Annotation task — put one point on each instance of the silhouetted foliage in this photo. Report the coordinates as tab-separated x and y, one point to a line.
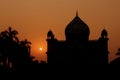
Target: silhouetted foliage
117	60
14	54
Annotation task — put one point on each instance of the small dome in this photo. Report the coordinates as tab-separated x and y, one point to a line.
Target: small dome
50	35
104	33
77	29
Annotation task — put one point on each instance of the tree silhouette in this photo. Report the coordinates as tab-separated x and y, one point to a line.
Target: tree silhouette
15	55
25	48
11	34
8	42
117	60
12	51
26	43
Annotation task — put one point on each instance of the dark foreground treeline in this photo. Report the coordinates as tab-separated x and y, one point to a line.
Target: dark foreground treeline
15	54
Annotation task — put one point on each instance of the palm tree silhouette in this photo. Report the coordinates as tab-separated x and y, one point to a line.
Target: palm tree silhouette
25	50
12	34
9	42
26	43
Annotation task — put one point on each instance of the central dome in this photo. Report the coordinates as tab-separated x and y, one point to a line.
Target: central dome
77	30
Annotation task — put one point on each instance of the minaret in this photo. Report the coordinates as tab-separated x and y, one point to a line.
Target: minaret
103	45
50	47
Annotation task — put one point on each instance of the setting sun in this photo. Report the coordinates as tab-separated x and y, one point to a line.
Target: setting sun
33	18
40	48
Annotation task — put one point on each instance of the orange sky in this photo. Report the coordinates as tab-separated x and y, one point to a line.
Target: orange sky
33	18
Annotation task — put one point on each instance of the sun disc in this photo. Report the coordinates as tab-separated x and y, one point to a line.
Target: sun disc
40	48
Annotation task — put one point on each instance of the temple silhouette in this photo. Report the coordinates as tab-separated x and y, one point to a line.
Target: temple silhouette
77	48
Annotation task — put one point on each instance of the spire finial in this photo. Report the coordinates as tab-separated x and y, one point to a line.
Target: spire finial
77	13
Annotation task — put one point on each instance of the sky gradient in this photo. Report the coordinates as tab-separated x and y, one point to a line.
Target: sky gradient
33	19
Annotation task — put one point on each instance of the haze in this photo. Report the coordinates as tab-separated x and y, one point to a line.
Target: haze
33	18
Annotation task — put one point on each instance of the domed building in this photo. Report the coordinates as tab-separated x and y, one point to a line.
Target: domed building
77	31
77	48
